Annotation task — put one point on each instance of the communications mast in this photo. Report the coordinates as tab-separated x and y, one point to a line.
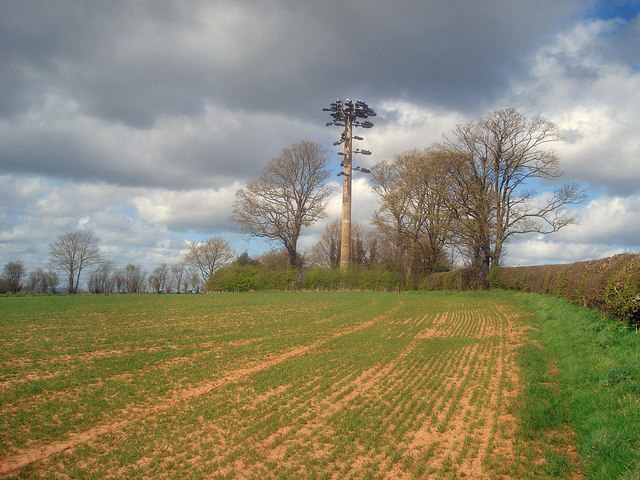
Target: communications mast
348	114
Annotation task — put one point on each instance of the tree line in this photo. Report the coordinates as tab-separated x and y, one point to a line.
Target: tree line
456	202
78	252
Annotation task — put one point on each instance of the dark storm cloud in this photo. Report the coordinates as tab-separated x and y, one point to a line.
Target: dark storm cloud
205	151
140	119
132	62
88	88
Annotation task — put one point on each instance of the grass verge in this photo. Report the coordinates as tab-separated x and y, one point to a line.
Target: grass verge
582	376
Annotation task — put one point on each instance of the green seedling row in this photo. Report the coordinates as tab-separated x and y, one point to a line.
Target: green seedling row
318	385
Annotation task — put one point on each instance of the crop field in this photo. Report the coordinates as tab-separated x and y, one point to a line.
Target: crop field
322	385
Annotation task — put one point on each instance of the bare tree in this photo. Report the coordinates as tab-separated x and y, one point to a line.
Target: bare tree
119	279
412	209
176	278
40	281
210	255
72	253
37	281
326	252
158	278
53	280
291	193
274	259
13	273
102	279
134	278
492	163
193	280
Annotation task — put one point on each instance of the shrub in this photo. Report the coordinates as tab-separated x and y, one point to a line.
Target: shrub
622	293
234	278
316	279
353	279
462	279
611	284
374	279
245	278
277	279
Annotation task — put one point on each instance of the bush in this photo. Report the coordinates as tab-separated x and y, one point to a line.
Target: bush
353	279
234	278
277	279
321	279
622	294
462	279
611	284
246	278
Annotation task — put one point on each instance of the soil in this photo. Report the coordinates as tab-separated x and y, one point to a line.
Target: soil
467	431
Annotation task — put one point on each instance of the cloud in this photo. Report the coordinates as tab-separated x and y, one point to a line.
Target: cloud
607	220
595	100
407	126
608	225
35	211
214	149
204	210
139	120
132	63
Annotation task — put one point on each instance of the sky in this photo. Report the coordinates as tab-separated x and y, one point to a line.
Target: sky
139	120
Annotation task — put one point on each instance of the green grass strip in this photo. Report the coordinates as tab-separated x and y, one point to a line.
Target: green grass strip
581	370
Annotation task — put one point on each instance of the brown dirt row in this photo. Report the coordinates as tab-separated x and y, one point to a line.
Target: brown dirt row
471	424
15	461
88	356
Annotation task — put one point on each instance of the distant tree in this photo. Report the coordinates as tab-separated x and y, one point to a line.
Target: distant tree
326	251
274	259
176	281
13	273
41	281
244	259
53	280
119	279
193	280
71	253
291	193
102	279
158	278
134	278
37	281
412	210
209	255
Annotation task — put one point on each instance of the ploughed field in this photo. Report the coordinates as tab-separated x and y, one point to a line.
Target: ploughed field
320	385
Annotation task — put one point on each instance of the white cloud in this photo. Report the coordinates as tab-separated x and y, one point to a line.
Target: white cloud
204	210
607	220
133	224
409	126
582	84
595	100
607	226
541	251
140	120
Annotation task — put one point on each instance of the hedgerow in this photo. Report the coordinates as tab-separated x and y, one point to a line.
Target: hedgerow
246	278
611	284
460	280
